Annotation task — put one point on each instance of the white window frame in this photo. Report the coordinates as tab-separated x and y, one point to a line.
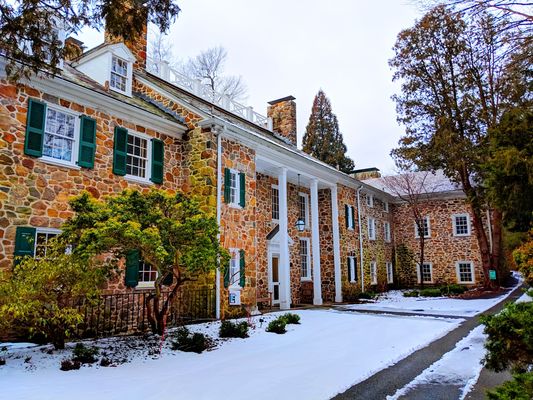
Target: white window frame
370	200
145	284
419	276
274	187
371	222
457	265
387	231
47	231
128	75
386	206
427	220
305	196
148	169
373	273
237	179
351	220
454	224
353	272
235	276
308	276
73	163
390	272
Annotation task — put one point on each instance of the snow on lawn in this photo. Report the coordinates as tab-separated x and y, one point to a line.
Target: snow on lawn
460	367
329	352
394	301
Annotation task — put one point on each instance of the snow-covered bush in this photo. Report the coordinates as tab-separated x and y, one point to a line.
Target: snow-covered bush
69	365
196	343
411	293
430	292
229	329
84	354
277	326
291	318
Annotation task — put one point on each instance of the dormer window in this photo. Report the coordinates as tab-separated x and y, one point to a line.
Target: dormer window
119	75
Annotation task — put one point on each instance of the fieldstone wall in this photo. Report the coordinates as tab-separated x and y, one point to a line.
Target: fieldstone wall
327	267
283	114
442	249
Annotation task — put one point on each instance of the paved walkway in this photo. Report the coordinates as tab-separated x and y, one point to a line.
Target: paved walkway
386	382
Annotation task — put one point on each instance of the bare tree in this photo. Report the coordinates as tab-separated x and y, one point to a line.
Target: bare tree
208	66
160	49
413	188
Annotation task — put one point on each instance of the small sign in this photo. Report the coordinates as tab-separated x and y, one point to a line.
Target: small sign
492	274
235	298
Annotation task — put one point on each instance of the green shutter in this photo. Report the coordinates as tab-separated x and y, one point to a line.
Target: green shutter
35	121
355	269
169	278
24	242
243	269
227	189
349	269
120	151
226	274
158	155
87	142
132	268
242	187
346	211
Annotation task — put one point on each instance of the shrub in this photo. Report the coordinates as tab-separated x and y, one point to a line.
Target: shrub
366	295
105	362
520	388
2	361
430	292
69	365
452	289
291	318
229	329
411	293
277	326
196	343
85	355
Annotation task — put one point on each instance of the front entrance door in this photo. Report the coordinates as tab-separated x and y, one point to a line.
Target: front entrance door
274	278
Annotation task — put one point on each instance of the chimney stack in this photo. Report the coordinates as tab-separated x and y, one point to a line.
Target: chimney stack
283	114
73	48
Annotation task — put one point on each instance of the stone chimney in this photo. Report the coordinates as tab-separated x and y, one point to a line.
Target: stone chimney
137	47
366	173
283	114
73	48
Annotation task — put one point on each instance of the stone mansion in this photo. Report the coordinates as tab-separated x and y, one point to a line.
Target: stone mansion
298	230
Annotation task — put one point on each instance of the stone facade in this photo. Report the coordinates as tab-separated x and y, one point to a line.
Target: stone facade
283	114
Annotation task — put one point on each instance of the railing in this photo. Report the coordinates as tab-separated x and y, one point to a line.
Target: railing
196	87
127	312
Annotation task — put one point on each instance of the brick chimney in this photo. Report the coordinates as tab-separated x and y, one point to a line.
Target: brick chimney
137	47
73	48
283	114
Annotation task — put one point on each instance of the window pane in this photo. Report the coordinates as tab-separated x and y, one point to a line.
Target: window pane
59	135
275	203
137	158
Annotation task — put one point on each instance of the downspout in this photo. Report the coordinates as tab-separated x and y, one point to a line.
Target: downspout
219	205
360	240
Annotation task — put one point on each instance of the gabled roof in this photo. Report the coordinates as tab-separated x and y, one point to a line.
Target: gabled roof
119	49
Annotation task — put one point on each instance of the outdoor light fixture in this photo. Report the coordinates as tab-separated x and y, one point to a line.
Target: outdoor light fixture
300	224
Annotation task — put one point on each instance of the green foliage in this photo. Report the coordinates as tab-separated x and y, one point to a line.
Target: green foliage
452	289
85	355
367	295
196	343
411	293
41	296
523	257
229	329
69	365
510	168
520	388
323	139
32	23
405	264
510	338
291	318
430	292
277	326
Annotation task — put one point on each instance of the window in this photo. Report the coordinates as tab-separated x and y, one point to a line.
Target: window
390	272
42	238
147	274
386	231
119	74
235	268
427	273
386	206
303	209
352	269
369	200
235	188
425	228
461	225
304	259
371	229
275	203
349	213
373	273
465	271
137	164
60	136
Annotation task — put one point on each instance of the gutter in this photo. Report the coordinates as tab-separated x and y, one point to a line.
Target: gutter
361	265
219	212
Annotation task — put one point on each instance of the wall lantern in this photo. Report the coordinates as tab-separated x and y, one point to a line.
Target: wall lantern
300	224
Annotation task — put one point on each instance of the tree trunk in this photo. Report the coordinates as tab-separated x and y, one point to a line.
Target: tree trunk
157	315
481	236
496	221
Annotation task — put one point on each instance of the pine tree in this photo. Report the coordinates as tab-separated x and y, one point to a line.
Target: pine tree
323	139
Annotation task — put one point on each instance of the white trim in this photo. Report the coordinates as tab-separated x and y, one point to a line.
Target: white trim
148	169
237	174
351	219
146	284
235	279
276	220
353	268
386	206
52	231
418	276
309	276
454	225
371	221
471	272
417	236
306	211
387	236
390	272
373	273
370	200
128	77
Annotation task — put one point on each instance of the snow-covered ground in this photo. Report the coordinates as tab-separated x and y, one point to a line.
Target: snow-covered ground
460	367
329	352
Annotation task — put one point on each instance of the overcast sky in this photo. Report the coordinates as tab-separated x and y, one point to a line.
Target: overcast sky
296	47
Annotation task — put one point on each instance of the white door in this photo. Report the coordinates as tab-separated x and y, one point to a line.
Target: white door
273	278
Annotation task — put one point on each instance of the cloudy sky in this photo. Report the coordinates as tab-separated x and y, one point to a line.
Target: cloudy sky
296	47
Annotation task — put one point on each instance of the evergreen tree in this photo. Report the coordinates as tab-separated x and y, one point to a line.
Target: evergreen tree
323	139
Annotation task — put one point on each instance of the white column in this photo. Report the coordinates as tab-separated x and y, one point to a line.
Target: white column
317	280
336	244
284	258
